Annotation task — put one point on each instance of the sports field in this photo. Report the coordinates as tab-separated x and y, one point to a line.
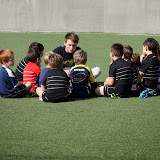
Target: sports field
81	129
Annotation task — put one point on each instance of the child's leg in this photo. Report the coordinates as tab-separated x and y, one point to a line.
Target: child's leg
39	92
158	88
96	71
28	85
99	91
67	70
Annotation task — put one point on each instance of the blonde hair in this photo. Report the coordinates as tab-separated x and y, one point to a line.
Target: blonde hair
5	55
54	60
80	57
46	57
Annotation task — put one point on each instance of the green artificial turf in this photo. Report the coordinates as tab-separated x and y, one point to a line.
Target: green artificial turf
81	129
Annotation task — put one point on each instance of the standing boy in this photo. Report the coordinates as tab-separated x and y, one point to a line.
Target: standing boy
82	82
119	81
55	83
149	69
67	51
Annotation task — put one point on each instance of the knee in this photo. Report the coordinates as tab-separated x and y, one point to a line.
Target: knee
96	71
99	91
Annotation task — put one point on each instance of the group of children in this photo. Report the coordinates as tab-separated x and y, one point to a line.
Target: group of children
66	74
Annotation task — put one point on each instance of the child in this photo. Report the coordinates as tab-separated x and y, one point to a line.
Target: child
24	61
82	82
119	81
43	72
9	86
55	83
67	51
127	55
149	69
158	85
32	69
136	60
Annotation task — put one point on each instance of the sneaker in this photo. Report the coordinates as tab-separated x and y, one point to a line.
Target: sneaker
113	95
153	93
144	94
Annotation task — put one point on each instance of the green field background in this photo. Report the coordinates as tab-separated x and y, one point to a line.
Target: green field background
94	128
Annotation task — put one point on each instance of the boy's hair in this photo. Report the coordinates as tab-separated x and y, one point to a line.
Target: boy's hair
136	59
47	57
128	51
72	36
5	55
80	57
36	45
33	54
117	49
152	44
55	60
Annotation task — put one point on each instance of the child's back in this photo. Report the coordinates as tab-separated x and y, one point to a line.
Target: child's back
82	82
56	81
149	68
120	77
81	79
32	69
121	71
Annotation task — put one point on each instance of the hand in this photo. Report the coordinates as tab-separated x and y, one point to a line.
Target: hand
142	57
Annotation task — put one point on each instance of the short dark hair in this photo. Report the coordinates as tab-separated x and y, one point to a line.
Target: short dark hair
152	44
117	49
33	54
36	45
72	36
128	51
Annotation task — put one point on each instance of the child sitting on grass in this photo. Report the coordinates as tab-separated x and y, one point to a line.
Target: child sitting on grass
158	85
82	81
9	86
22	64
44	71
32	69
149	69
136	60
119	82
55	83
127	55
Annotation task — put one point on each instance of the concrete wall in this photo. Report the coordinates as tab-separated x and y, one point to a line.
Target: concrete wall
122	16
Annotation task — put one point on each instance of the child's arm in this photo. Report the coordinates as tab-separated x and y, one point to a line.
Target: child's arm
19	84
43	89
111	61
140	75
142	57
109	81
